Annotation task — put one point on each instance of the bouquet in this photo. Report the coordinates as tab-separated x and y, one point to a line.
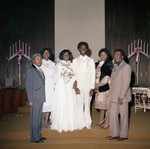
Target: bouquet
67	74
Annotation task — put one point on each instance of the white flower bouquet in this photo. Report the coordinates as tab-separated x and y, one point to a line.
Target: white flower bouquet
67	74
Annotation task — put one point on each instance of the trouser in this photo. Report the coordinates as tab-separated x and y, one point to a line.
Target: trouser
83	109
116	128
35	122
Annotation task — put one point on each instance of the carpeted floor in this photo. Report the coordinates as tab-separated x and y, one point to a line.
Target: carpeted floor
15	134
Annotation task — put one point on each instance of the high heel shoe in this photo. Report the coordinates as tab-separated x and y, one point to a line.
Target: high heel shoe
105	127
99	124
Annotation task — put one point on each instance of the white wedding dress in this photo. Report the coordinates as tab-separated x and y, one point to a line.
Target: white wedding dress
64	116
48	68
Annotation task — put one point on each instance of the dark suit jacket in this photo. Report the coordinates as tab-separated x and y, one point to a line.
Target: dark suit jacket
35	85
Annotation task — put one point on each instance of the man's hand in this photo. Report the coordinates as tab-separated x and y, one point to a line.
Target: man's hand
91	92
75	84
31	104
77	91
120	101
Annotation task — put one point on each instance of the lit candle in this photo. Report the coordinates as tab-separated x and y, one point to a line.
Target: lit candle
131	48
29	52
144	47
128	50
16	47
134	44
13	49
147	48
23	47
19	45
10	51
138	43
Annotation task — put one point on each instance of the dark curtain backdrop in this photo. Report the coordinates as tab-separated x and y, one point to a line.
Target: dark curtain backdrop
126	21
31	21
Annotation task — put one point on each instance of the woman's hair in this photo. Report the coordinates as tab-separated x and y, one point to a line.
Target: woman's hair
82	43
63	52
50	53
109	57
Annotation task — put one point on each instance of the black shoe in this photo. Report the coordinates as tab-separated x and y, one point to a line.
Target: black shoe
40	141
43	138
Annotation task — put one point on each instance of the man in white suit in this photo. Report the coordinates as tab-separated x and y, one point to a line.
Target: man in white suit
84	69
120	96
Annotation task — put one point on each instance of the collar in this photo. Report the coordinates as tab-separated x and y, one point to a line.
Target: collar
45	60
36	66
83	57
64	62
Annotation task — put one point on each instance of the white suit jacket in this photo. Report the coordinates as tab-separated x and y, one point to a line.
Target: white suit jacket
85	76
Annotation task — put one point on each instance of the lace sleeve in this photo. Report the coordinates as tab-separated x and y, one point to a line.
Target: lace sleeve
105	80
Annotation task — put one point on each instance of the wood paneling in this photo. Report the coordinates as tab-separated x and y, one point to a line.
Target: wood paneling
126	21
31	21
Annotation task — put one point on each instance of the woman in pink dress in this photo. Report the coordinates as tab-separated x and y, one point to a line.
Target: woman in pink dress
103	73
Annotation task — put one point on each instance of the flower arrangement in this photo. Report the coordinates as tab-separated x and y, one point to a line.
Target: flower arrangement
67	74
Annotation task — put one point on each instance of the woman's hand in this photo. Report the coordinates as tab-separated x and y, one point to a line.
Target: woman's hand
96	86
100	84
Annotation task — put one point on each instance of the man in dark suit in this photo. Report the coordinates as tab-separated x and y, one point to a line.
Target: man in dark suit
35	86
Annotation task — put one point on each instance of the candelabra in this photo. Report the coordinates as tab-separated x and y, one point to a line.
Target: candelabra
136	49
19	51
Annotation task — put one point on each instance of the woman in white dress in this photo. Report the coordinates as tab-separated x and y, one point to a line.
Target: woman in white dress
64	115
48	68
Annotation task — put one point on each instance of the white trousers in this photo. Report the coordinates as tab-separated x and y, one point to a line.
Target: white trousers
83	109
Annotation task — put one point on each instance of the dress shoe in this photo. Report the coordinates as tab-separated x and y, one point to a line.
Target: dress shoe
40	141
44	128
43	138
111	138
120	139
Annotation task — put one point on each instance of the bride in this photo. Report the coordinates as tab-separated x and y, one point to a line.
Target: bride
64	114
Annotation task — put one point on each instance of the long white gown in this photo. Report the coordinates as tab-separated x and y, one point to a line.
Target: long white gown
48	68
64	115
